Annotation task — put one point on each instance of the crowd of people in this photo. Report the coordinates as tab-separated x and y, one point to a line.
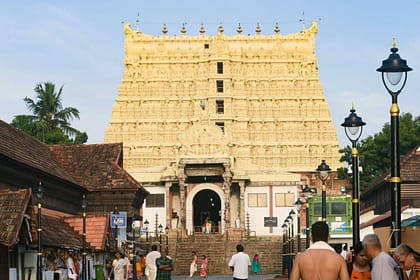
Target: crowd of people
365	261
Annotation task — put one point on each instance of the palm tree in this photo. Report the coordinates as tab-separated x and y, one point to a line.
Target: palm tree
49	116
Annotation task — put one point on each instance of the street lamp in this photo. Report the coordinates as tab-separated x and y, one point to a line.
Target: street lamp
395	69
166	232
298	203
146	226
353	127
116	221
39	194
285	237
290	217
160	227
84	205
324	170
136	218
307	193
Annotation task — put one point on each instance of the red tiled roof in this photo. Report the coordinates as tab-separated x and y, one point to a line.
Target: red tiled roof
96	229
57	233
95	166
23	148
13	205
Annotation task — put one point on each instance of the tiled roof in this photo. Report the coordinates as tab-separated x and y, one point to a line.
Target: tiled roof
409	171
96	229
13	205
23	148
95	166
57	233
410	166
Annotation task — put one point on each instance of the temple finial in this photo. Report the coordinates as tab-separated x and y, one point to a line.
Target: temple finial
394	43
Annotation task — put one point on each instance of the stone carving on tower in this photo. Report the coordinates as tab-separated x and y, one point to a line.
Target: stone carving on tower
264	103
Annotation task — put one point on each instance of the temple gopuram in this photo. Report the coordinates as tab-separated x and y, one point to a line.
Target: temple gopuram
222	130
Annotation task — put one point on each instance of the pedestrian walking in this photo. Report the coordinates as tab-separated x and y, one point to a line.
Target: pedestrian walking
193	265
151	269
204	266
119	267
359	269
319	261
409	261
383	266
164	266
256	264
239	263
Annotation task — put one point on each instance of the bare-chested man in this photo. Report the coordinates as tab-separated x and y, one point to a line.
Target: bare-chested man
320	261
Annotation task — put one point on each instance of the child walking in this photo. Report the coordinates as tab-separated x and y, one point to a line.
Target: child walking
204	266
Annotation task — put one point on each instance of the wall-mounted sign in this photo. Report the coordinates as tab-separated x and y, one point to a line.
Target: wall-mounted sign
270	221
118	220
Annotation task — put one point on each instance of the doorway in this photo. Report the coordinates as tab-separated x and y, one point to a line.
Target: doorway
207	212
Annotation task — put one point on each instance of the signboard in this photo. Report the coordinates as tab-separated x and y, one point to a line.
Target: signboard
118	220
270	221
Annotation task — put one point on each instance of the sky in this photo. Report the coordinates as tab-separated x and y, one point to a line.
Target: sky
80	44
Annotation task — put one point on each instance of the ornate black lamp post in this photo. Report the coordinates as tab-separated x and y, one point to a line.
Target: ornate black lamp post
285	237
353	126
84	206
146	226
307	192
299	202
290	217
395	69
324	170
39	194
167	240
116	221
160	227
136	218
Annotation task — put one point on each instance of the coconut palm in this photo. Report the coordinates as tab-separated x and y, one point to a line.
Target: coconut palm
48	115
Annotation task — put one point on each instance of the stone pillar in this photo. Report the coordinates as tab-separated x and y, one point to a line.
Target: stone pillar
227	176
168	198
182	198
242	202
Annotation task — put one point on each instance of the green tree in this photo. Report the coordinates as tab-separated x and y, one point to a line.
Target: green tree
375	151
50	121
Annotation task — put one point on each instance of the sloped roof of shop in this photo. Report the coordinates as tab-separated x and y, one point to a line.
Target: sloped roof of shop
21	147
96	166
96	229
13	205
57	233
409	173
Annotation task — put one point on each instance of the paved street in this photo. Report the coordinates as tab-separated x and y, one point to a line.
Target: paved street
222	277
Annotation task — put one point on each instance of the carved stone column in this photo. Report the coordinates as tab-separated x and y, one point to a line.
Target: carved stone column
227	176
182	197
168	203
242	202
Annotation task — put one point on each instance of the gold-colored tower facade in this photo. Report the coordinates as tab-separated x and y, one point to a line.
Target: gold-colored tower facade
255	99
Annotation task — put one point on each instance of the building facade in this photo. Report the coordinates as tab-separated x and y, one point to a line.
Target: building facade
221	128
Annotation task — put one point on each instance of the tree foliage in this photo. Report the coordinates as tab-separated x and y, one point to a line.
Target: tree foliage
375	151
50	121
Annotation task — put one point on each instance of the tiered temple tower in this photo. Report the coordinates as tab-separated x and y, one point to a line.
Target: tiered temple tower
245	110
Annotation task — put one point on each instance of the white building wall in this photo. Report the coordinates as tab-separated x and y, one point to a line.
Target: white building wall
149	213
257	214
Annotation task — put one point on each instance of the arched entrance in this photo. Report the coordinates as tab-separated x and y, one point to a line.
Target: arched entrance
205	200
206	208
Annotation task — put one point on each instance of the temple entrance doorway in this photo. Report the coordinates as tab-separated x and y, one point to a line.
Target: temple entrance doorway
205	209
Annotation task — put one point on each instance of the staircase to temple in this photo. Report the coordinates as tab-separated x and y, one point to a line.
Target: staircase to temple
219	251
